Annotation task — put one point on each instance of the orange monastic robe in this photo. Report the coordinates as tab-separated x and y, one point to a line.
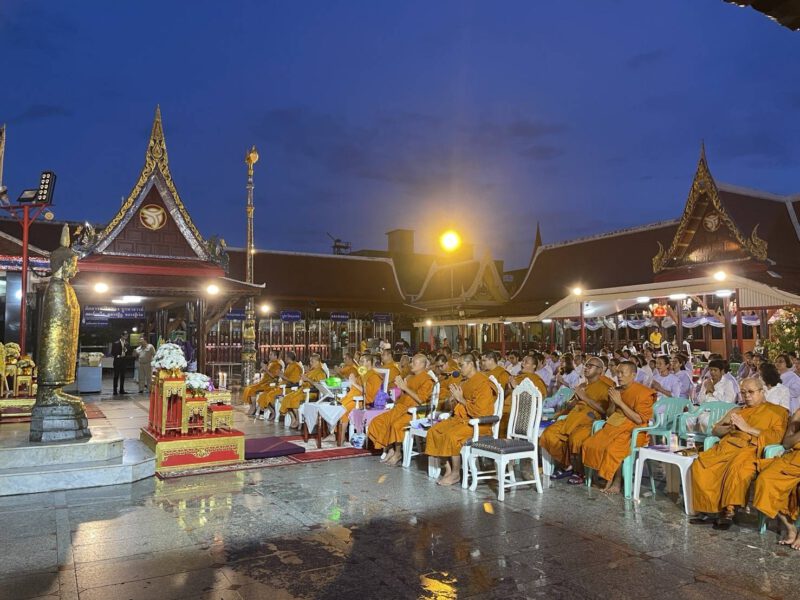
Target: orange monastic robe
372	383
452	365
348	370
446	437
605	450
269	377
566	437
388	428
293	399
292	373
777	485
504	377
722	475
394	372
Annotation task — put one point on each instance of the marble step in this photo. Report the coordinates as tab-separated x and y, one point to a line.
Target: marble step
135	462
105	444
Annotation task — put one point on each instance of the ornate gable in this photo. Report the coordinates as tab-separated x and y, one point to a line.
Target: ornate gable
152	221
706	232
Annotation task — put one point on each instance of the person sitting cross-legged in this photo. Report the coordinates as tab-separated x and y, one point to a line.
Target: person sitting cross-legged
721	476
387	429
564	439
630	406
473	398
291	401
777	493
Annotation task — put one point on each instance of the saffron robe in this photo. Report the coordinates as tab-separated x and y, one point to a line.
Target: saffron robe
292	374
372	383
269	377
293	399
777	485
388	427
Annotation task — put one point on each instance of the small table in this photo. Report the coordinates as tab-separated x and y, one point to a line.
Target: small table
360	419
322	415
664	455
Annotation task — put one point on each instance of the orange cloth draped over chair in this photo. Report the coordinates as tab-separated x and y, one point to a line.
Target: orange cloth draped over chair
388	428
292	373
605	450
721	476
446	437
372	383
271	376
293	399
777	486
566	437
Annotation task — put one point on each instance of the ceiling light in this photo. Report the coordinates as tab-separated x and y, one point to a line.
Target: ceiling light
547	320
643	299
212	289
428	322
101	287
577	291
265	308
723	293
677	296
720	275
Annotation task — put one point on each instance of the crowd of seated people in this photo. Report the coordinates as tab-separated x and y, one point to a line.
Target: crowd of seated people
619	387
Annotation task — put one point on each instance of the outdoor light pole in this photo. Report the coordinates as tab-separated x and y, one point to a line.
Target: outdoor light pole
249	329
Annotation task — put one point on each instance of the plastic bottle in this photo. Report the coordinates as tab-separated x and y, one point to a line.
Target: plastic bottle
673	441
690	440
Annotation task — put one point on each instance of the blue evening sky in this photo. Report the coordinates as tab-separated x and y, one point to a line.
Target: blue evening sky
374	115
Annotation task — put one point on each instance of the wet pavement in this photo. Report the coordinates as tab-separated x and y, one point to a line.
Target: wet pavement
354	528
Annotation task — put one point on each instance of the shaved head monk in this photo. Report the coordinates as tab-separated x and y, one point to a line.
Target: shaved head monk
366	383
721	476
473	398
387	429
630	406
291	401
290	377
490	366
387	362
564	439
270	372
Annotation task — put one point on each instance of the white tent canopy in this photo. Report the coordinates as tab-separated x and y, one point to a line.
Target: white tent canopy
608	301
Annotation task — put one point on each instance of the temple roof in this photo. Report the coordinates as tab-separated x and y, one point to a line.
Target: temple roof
472	282
785	12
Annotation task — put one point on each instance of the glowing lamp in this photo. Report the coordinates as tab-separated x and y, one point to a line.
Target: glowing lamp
212	289
450	241
101	287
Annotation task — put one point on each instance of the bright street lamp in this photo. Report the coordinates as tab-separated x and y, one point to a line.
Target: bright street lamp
720	275
212	290
450	241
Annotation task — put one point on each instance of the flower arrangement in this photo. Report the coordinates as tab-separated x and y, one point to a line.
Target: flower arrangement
198	383
169	357
25	363
12	351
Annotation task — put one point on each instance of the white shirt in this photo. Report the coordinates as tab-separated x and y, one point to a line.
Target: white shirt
514	369
668	382
723	392
792	381
643	377
779	395
546	374
571	380
684	384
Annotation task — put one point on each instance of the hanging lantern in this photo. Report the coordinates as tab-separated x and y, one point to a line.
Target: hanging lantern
659	311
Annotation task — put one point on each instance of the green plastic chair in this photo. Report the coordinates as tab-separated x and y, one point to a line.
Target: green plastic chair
716	411
735	368
627	464
666	412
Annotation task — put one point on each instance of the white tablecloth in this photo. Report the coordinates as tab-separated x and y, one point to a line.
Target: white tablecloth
331	413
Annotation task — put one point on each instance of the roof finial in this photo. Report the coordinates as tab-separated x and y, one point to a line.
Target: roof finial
538	241
702	149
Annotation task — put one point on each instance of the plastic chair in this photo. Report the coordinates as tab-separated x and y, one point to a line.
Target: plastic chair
559	399
498	413
547	460
734	367
412	432
521	442
715	410
666	412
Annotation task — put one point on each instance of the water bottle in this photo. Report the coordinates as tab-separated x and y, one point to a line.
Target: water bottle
673	441
690	440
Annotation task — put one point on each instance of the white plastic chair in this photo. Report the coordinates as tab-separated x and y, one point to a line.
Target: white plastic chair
521	442
411	432
476	423
385	374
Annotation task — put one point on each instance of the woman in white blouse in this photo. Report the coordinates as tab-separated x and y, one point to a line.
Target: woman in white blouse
777	393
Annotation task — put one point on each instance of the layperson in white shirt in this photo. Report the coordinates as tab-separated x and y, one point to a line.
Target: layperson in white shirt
567	375
747	369
542	370
578	361
790	379
644	374
717	388
677	363
776	392
664	381
513	364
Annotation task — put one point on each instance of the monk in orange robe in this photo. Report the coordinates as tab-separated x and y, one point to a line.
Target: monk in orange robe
387	362
490	367
630	406
388	429
366	384
290	376
291	401
721	476
777	486
405	366
564	439
270	372
445	377
474	398
349	367
452	363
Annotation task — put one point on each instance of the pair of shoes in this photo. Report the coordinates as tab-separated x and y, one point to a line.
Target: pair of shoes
115	393
576	479
723	523
123	392
561	474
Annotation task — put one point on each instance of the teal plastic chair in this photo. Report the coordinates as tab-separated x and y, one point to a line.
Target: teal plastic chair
715	410
735	368
666	412
627	464
556	401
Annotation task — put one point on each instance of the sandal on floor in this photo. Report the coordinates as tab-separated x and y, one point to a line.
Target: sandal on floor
723	523
561	474
576	480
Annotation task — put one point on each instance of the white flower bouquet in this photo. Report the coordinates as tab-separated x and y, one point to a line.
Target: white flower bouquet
169	357
12	351
197	383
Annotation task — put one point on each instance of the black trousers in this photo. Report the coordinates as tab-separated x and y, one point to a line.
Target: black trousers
119	375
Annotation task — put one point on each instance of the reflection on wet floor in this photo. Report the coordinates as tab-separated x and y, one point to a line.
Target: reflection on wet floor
356	528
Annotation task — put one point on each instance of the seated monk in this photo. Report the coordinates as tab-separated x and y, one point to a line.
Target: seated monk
291	401
722	475
387	362
270	371
564	439
387	429
527	371
366	383
630	406
491	366
405	366
290	376
777	486
452	363
473	398
349	367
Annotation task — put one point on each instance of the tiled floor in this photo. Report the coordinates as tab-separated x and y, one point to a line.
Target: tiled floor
354	528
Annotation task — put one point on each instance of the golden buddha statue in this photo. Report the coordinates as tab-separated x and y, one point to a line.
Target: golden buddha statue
58	416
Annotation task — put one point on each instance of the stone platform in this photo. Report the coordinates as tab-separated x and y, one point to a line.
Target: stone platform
104	459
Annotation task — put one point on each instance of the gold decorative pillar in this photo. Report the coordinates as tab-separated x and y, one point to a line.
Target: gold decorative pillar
249	329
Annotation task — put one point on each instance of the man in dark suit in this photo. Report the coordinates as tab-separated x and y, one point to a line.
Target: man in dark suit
118	350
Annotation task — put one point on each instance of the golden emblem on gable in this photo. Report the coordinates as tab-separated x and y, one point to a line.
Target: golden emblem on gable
711	222
153	216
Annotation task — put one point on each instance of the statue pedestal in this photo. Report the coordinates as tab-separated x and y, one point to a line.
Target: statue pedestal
59	423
